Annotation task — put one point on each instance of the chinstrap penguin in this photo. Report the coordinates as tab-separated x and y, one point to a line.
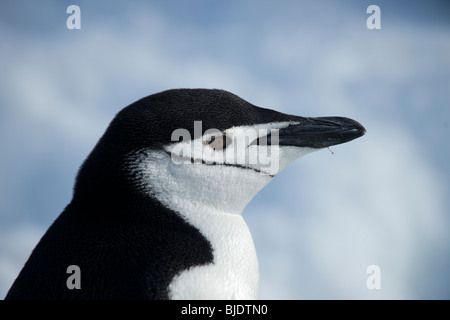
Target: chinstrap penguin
156	207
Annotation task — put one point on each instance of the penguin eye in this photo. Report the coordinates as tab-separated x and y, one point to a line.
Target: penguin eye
219	142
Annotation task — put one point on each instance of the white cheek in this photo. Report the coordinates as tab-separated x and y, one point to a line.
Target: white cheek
187	187
289	154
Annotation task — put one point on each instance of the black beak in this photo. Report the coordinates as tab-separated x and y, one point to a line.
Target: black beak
319	133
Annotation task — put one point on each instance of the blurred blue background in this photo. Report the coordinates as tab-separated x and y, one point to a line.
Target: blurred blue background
380	200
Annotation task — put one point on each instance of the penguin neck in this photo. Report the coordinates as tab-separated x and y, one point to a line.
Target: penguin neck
233	272
211	198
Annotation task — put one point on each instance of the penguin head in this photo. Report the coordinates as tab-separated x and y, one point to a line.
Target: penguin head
202	149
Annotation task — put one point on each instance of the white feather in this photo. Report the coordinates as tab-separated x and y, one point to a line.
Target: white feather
211	197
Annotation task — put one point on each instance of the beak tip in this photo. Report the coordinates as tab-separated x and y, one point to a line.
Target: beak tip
359	128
